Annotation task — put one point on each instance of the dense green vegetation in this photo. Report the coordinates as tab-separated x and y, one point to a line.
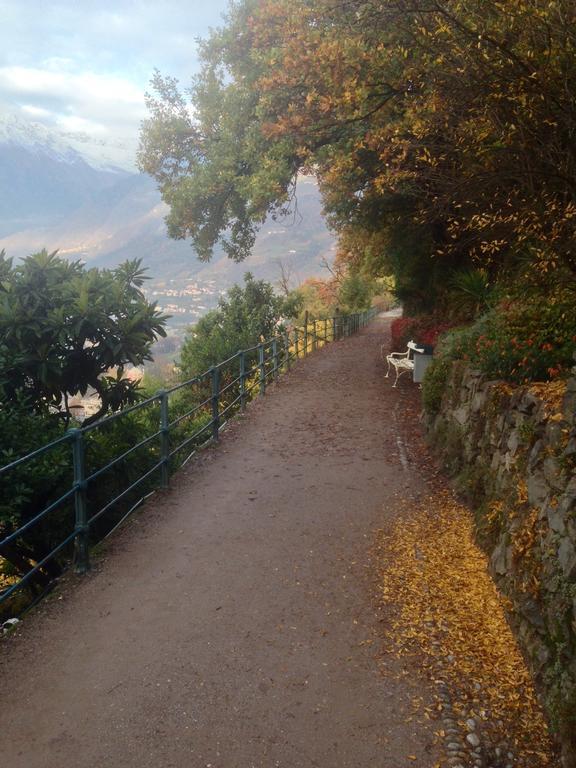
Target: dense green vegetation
245	316
64	331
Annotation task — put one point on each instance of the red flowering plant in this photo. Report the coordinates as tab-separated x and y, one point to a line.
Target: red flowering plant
521	340
400	331
423	329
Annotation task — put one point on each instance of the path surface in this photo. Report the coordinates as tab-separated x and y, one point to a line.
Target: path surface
231	623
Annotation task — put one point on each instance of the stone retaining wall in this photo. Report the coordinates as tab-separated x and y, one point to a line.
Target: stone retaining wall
512	453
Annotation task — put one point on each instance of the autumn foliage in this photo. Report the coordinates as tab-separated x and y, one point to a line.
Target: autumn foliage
441	135
447	613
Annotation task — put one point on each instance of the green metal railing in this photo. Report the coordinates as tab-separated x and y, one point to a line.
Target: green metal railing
181	419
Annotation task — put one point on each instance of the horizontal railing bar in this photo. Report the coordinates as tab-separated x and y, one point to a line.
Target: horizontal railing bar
131	487
24	580
230	405
229	360
176	387
251	349
189	413
231	384
119	414
35	454
16	534
132	509
196	449
110	464
192	437
252	386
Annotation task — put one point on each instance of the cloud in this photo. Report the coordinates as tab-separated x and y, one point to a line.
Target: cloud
37	112
102	106
93	92
122	35
96	58
58	64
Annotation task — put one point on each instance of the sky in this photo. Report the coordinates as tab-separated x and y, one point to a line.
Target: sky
83	66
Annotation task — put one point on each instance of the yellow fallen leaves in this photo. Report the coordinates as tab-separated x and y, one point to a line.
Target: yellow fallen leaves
448	614
552	394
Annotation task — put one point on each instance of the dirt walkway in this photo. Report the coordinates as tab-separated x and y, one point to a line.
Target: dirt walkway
230	624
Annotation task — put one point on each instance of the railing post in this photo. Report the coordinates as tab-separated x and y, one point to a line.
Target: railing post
287	350
262	368
215	379
334	337
296	343
275	358
81	553
164	440
314	337
305	333
242	380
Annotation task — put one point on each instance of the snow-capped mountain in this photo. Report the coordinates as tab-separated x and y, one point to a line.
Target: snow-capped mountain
35	138
52	197
43	177
63	146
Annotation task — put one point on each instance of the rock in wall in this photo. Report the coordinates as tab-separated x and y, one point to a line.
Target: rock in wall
512	452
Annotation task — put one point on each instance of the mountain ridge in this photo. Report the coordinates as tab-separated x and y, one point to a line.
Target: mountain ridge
51	197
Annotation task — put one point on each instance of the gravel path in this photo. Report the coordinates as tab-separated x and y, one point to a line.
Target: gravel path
230	624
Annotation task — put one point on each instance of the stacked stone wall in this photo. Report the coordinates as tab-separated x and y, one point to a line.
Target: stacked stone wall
512	452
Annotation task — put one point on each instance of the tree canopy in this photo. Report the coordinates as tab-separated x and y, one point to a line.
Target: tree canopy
441	134
64	327
245	316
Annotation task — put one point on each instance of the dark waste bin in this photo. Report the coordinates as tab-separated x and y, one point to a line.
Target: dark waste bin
422	355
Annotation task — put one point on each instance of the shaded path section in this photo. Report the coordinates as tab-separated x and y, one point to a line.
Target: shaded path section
230	624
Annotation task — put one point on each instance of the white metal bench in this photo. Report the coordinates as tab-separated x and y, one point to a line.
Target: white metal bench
401	361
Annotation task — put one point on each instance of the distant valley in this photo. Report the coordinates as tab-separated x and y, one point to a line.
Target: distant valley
53	197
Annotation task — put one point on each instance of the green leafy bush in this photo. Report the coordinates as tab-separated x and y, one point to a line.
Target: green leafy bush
244	317
65	328
434	384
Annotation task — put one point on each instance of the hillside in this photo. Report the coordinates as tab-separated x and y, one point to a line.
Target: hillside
53	197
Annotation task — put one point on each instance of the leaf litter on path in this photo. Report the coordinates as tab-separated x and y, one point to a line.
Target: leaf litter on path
447	614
